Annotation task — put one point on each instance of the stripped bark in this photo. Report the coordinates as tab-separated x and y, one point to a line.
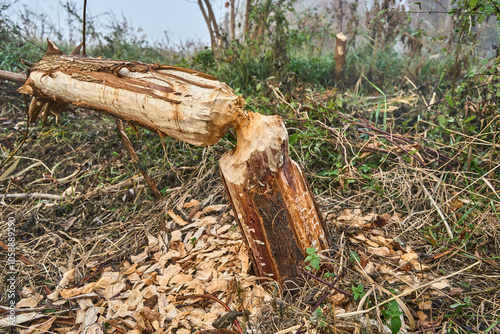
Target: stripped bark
268	191
184	104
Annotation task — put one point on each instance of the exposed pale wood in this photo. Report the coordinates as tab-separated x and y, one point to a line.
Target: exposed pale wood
12	76
271	198
184	104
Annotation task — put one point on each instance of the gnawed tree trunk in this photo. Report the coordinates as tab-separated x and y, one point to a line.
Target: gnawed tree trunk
271	198
268	191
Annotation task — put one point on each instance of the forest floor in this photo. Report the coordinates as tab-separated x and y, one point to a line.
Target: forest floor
96	253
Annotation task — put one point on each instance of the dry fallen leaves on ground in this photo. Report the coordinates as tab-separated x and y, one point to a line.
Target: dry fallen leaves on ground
175	283
151	291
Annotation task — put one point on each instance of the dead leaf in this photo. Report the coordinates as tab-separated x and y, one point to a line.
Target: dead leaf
139	258
176	218
29	302
68	293
192	203
426	322
380	251
364	259
424	305
68	223
409	256
40	328
381	221
441	284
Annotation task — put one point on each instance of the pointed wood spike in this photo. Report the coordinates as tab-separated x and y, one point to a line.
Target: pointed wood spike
76	51
52	49
36	106
26	63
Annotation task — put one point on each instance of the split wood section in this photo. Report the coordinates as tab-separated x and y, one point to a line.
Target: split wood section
269	194
271	198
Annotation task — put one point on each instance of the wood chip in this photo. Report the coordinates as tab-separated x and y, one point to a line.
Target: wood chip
176	218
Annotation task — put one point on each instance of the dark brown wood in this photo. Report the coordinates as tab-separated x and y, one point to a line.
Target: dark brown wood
272	199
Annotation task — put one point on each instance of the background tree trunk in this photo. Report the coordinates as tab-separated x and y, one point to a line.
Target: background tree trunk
233	20
207	21
248	9
340	54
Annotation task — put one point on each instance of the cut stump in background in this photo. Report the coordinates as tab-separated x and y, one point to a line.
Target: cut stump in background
340	54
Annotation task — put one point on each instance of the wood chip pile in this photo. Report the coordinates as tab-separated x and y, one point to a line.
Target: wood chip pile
191	278
206	258
386	262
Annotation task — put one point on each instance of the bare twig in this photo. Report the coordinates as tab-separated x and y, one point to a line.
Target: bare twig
135	159
12	76
33	195
434	204
116	187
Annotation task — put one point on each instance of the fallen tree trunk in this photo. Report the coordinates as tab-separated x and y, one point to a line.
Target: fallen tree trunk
180	103
268	191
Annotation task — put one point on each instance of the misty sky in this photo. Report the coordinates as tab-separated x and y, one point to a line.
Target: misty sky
182	19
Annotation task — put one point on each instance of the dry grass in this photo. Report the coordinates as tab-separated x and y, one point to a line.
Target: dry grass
387	232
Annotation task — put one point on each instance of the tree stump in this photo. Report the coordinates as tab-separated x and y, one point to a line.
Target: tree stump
271	198
340	54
